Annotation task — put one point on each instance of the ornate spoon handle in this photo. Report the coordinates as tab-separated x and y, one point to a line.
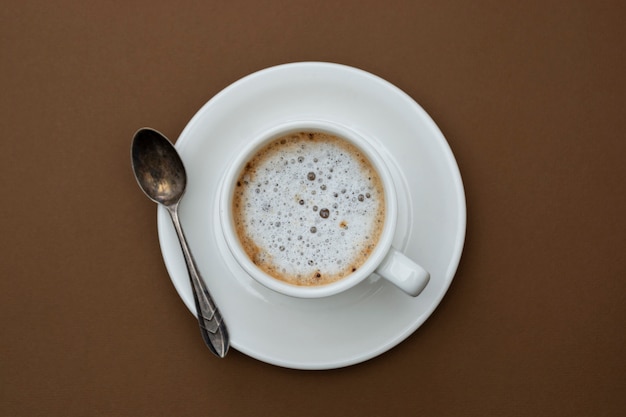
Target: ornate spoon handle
212	327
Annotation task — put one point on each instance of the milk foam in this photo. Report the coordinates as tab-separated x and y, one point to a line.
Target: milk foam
309	208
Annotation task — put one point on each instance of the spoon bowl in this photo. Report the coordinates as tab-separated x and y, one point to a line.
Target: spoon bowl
158	168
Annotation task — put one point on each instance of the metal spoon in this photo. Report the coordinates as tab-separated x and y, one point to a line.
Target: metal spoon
161	175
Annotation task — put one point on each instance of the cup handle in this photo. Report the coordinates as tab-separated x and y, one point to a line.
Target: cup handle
403	273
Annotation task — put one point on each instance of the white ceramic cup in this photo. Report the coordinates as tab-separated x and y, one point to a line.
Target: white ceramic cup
385	260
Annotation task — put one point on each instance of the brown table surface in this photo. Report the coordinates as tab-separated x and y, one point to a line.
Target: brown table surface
531	98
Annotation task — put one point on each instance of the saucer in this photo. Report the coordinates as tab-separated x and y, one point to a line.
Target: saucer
370	318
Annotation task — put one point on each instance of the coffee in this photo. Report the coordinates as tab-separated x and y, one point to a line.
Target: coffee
308	208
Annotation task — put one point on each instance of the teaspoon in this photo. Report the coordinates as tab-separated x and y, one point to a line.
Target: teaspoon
161	175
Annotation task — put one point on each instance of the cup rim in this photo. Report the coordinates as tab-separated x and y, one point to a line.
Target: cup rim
226	192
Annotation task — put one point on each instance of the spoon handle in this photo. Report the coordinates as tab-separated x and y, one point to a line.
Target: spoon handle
212	327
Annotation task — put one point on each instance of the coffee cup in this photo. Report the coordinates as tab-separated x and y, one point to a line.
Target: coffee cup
309	209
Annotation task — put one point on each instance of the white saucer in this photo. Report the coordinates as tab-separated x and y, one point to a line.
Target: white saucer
374	316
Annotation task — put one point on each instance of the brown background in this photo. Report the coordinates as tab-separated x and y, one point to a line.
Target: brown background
531	97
